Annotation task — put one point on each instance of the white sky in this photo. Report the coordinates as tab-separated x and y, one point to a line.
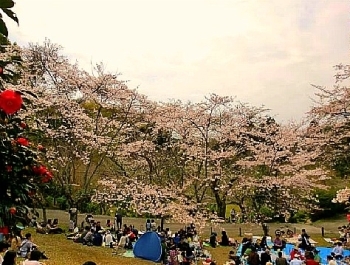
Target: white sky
263	52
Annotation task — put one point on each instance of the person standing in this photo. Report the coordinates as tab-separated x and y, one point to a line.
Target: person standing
118	220
233	216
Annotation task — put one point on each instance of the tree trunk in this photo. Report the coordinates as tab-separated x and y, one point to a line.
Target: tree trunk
44	214
221	204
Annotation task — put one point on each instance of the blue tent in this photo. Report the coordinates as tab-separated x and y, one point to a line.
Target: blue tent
148	247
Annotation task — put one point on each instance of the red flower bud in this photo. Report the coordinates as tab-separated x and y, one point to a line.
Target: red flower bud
41	148
1	70
10	101
13	210
22	141
8	168
23	125
40	170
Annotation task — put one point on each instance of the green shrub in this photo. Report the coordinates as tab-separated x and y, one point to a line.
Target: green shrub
62	203
299	217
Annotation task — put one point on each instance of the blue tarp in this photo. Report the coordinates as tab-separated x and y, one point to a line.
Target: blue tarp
148	247
324	251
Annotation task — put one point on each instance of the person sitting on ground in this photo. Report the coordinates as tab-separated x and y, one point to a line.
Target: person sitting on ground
277	243
309	259
280	260
317	256
10	258
183	245
88	239
108	239
253	257
295	251
53	228
296	260
34	258
98	238
224	239
74	234
265	257
123	242
79	238
98	226
212	240
330	260
27	245
16	241
338	251
246	244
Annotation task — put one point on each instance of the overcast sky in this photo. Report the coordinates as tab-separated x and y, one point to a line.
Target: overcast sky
263	52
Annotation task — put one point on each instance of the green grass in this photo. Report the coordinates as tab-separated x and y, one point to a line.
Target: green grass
63	251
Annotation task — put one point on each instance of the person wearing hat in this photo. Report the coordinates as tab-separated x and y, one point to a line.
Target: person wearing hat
296	260
294	251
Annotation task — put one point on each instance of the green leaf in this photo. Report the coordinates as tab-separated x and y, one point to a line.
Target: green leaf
6	4
3	28
10	14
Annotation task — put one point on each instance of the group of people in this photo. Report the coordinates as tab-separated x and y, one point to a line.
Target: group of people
23	247
260	252
50	227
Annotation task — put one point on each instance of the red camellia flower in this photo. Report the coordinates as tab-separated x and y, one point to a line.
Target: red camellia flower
22	141
47	177
40	170
13	210
8	168
23	125
10	101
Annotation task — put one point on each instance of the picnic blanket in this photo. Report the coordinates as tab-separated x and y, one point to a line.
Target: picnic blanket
128	254
324	252
295	240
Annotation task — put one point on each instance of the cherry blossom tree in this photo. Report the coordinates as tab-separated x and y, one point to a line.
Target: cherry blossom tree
144	198
329	126
83	117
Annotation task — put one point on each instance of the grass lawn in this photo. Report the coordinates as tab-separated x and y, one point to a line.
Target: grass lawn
63	251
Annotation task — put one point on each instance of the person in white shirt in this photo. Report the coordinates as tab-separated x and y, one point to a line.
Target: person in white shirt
35	256
108	239
123	241
296	260
27	245
338	251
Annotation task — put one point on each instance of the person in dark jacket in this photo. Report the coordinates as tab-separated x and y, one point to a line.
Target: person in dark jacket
265	257
253	258
224	239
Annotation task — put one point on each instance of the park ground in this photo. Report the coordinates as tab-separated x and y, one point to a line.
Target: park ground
63	251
